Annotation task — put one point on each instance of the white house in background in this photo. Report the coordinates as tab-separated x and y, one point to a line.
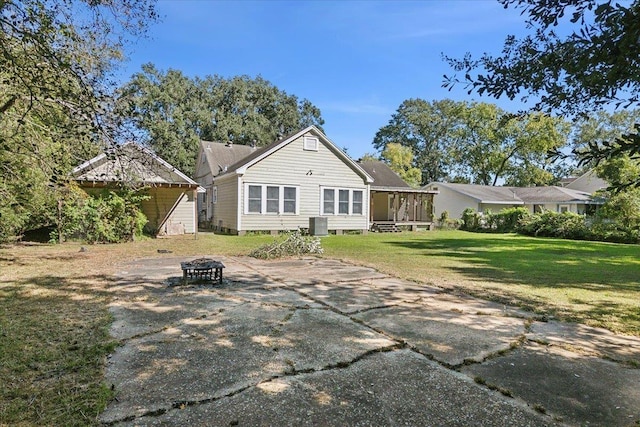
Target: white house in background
588	182
282	185
455	198
171	208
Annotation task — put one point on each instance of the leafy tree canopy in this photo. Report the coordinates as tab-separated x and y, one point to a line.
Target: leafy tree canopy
173	112
475	142
400	160
592	67
56	58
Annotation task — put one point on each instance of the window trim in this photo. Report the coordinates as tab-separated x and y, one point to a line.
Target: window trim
336	201
263	199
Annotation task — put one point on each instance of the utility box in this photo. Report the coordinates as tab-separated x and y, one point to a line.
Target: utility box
318	226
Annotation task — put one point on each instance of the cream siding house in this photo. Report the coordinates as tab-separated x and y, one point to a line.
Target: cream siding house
172	206
455	198
589	182
281	186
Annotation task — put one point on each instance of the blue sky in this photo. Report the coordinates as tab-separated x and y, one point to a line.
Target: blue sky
355	60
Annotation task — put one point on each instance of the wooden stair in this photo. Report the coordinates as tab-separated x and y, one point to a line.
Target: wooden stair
384	228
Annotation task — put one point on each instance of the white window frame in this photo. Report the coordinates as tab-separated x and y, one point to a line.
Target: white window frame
564	206
336	201
214	194
310	143
263	199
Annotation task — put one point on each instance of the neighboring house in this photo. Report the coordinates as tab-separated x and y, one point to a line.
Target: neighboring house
282	185
394	203
589	182
455	198
171	209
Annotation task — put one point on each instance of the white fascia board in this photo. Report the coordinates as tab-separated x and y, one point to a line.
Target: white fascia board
88	163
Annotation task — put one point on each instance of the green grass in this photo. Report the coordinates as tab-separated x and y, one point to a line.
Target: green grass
590	282
54	319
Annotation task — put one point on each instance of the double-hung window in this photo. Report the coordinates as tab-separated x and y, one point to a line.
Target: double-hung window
341	201
329	201
271	199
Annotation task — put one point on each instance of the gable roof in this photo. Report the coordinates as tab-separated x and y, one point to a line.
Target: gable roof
257	155
551	194
517	195
130	163
588	180
484	193
220	156
383	175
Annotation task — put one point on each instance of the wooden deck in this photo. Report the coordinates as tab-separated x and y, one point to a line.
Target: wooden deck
396	226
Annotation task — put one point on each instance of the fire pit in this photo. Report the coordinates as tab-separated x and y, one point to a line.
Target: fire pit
202	269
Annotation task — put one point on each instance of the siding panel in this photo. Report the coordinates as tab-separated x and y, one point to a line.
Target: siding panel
224	210
310	170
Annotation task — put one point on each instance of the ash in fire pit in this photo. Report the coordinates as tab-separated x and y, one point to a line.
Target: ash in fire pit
202	269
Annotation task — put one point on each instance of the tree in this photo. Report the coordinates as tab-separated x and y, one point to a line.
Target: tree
595	66
173	112
475	142
492	145
426	128
400	160
54	86
600	128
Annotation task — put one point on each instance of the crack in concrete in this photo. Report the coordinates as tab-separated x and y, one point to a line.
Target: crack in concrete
286	374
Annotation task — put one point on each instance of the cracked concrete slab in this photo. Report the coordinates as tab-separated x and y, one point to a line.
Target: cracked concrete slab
314	341
351	297
578	388
206	358
444	334
587	339
393	388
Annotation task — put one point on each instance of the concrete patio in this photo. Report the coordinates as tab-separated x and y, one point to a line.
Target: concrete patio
316	341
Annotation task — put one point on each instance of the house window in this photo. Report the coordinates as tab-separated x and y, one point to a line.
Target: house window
254	202
343	202
328	204
289	200
538	208
563	208
356	203
347	201
310	143
271	199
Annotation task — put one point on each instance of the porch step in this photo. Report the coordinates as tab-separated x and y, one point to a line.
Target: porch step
385	228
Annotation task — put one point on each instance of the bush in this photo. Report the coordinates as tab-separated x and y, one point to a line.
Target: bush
508	220
565	225
447	223
295	244
111	217
470	220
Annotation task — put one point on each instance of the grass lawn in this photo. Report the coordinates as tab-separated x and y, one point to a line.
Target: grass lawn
54	319
589	282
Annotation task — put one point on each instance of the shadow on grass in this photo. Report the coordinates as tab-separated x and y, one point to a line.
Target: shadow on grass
54	334
537	262
587	282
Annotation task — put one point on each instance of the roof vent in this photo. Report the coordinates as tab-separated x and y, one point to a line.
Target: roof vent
229	143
